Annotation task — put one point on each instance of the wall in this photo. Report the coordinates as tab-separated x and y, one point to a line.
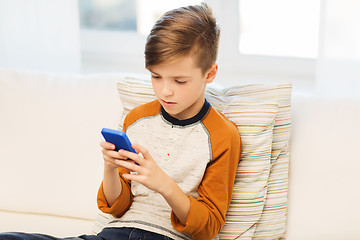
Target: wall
27	43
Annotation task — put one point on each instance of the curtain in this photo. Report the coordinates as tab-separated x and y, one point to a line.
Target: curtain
338	65
40	35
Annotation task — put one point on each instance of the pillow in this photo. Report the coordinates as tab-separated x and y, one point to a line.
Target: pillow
272	224
255	119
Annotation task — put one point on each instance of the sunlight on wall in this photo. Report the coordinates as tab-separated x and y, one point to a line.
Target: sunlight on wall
279	28
40	35
338	66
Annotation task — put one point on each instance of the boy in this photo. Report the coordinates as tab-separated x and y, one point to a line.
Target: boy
190	152
179	186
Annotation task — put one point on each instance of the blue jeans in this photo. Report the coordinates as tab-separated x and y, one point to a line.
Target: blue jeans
105	234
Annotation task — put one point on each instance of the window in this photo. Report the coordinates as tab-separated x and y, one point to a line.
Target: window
113	32
125	15
258	37
117	15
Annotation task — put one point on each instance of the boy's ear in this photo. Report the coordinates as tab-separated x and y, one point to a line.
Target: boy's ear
211	73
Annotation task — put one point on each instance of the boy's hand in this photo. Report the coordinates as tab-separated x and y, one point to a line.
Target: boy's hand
151	176
148	172
110	155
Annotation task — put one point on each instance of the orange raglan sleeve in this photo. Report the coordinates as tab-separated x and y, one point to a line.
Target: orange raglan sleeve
208	211
124	201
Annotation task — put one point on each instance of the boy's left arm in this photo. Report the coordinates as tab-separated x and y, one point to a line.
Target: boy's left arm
207	213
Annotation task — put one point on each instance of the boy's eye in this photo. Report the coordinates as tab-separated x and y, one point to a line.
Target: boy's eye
154	76
180	82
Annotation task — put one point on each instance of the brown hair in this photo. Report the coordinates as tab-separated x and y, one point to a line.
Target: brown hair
182	31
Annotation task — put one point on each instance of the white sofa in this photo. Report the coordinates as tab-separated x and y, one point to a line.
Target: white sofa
51	164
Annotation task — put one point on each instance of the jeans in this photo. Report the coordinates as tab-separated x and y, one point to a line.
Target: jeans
105	234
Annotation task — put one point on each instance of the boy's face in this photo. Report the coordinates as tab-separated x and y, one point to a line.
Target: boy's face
180	85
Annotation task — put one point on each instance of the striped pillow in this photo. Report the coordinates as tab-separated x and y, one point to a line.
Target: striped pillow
255	120
272	223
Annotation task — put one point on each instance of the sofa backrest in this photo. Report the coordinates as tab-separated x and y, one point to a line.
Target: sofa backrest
50	158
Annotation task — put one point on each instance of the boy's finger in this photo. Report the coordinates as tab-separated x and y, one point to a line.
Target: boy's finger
133	156
113	154
107	145
141	150
129	165
132	177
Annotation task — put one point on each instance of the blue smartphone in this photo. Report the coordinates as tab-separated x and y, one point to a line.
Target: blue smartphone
118	138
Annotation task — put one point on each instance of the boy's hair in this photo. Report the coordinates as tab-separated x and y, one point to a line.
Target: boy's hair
183	31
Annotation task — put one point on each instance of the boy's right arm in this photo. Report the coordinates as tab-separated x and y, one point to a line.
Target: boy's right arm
114	196
111	183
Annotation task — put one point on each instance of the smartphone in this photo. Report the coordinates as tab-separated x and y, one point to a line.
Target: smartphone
118	138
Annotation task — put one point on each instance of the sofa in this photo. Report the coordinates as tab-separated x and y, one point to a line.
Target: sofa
51	163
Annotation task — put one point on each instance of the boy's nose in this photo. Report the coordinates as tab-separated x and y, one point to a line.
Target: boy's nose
167	90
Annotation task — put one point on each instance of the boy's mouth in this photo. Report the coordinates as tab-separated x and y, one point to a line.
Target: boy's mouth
168	104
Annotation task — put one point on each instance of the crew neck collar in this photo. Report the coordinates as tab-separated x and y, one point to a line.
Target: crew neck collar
199	116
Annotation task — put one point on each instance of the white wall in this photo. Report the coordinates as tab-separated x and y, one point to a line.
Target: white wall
27	43
338	68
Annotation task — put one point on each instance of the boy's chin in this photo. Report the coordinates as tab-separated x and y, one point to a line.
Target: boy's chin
173	113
